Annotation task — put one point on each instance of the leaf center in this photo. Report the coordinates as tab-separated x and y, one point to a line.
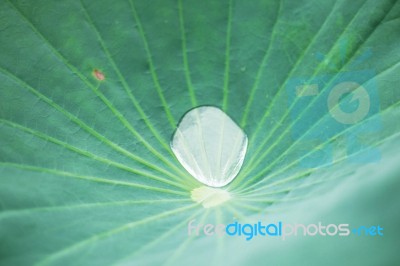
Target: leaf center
210	197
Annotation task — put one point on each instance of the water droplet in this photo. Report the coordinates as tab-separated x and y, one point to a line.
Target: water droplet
210	146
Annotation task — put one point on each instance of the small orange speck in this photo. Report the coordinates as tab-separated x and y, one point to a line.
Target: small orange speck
99	75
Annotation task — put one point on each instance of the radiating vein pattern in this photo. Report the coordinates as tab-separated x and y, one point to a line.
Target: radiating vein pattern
98	162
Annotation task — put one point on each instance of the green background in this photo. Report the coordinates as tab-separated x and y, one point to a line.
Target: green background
86	173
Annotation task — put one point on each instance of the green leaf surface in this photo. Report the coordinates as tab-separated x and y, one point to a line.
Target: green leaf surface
91	93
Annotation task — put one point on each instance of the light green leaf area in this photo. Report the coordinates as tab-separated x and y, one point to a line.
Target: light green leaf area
91	93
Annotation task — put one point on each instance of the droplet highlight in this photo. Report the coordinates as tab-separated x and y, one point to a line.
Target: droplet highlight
210	146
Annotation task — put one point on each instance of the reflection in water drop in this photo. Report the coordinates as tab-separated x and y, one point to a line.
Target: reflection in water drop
210	146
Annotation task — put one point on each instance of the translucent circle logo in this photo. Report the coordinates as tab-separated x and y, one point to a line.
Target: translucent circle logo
360	94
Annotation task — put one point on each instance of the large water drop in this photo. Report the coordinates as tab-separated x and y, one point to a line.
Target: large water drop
210	146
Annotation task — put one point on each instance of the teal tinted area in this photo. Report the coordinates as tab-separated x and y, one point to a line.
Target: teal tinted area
91	93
